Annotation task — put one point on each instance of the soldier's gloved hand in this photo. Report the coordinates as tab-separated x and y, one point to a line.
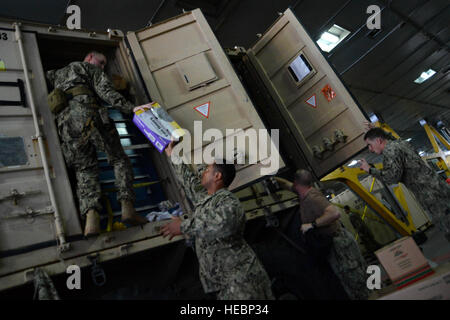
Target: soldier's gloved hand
144	107
305	227
136	109
168	150
172	229
364	165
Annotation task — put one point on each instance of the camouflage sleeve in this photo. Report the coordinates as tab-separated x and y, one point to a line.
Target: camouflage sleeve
105	90
190	181
392	168
356	221
223	222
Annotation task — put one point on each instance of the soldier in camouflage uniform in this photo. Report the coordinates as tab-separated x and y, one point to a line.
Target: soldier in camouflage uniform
365	234
83	131
228	266
318	213
402	164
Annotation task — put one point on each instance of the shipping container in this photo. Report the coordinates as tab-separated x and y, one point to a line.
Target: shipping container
282	82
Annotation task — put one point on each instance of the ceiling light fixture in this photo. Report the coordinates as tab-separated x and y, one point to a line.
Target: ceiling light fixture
331	38
424	76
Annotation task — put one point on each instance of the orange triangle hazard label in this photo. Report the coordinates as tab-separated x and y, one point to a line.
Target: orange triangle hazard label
203	109
312	101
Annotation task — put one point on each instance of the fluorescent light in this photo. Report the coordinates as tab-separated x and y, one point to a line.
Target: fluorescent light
353	163
421	153
424	76
373	118
409	139
422	122
326	36
331	38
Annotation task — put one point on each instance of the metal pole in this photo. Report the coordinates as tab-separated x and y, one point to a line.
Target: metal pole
63	245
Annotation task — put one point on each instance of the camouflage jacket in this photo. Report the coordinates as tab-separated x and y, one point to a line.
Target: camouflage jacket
218	226
357	222
91	76
402	164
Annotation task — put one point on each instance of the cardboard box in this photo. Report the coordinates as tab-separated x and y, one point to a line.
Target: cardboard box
404	262
436	287
157	125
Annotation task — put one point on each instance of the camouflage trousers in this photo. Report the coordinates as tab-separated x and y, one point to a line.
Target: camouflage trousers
349	265
435	200
368	241
252	285
439	213
83	133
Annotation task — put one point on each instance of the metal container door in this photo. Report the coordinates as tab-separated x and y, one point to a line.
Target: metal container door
26	212
187	72
325	120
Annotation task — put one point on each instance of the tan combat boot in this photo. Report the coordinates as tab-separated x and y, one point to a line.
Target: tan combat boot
92	227
129	214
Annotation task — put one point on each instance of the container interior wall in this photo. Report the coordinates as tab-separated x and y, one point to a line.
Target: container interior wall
57	53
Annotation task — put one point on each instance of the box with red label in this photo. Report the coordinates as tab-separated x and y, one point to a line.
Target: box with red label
436	287
404	262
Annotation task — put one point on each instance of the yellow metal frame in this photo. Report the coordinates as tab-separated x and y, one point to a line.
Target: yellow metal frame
372	185
387	128
349	176
368	214
439	154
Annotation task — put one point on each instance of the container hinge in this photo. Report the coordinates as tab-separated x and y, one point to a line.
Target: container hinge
15	195
28	275
36	137
271	219
115	33
63	248
97	273
30	214
123	250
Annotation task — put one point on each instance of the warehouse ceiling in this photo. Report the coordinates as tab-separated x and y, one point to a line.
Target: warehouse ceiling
379	68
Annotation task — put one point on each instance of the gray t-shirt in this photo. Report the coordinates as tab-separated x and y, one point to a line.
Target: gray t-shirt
312	207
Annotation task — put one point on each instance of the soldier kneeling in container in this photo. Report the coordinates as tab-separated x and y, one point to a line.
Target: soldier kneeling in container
83	132
228	266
